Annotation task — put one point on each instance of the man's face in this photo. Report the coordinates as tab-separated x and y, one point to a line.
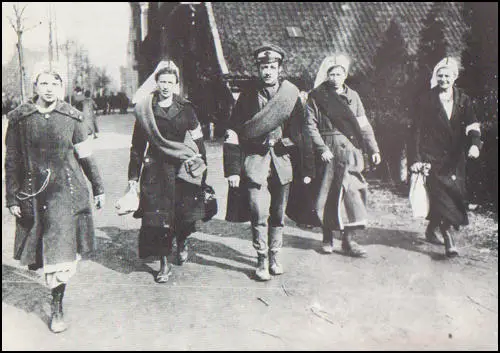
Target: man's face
166	84
48	87
337	76
269	73
445	78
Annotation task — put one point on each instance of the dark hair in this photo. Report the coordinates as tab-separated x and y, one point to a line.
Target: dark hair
87	93
78	89
166	70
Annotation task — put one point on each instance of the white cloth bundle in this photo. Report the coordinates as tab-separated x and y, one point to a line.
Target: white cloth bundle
130	201
419	198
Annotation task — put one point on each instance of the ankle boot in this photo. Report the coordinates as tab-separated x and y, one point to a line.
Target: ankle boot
327	245
57	323
449	242
275	267
349	246
431	234
262	271
182	251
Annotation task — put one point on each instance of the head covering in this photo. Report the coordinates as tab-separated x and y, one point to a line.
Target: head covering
268	53
150	86
54	68
328	63
449	63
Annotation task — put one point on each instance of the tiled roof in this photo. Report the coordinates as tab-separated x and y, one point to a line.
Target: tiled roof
354	28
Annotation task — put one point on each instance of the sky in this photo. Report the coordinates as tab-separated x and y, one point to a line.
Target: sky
101	27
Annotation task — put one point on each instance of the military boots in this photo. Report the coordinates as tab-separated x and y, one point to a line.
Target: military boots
57	323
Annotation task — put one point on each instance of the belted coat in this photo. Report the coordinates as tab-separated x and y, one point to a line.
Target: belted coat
42	155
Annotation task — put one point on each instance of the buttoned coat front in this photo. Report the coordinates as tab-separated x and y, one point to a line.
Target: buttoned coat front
57	223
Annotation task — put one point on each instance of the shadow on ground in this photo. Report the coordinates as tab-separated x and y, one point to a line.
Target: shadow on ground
406	240
21	289
120	253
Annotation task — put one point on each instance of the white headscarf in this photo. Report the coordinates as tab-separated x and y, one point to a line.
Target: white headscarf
43	67
449	63
329	62
150	85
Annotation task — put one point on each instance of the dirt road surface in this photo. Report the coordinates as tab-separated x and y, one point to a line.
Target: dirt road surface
404	295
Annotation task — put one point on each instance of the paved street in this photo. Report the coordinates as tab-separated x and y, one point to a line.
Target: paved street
402	296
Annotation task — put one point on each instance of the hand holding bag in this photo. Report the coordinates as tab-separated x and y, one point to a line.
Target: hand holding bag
130	201
419	198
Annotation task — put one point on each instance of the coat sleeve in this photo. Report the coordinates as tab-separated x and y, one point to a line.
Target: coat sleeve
83	149
13	164
312	123
472	125
365	127
139	142
197	134
231	150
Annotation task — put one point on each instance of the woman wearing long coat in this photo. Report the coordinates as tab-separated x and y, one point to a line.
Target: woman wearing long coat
169	205
339	131
446	132
47	148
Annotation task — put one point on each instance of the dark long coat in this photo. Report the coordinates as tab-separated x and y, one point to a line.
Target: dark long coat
57	223
339	188
443	143
164	199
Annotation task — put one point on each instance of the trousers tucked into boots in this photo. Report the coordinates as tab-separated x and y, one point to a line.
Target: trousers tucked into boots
57	323
449	242
349	246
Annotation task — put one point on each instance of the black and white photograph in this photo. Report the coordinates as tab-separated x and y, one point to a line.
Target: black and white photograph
249	176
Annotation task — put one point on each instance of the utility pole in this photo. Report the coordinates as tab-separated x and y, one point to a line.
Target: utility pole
18	27
51	51
67	46
55	30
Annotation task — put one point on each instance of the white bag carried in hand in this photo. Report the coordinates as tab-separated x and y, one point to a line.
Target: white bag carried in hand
130	201
419	198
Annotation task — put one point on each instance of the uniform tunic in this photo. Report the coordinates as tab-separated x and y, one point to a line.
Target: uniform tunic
443	143
339	186
166	202
57	223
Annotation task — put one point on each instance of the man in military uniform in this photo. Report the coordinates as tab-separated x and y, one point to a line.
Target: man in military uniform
257	152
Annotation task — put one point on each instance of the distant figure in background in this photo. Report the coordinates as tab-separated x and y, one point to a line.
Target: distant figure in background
89	113
446	133
78	99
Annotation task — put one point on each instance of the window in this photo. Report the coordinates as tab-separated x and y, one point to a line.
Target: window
294	32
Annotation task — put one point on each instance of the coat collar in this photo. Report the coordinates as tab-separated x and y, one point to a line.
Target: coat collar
29	108
171	112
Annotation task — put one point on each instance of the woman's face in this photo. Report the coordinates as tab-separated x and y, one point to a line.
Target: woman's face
48	87
166	84
445	78
337	76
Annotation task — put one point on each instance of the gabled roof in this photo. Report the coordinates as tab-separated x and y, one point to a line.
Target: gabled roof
355	28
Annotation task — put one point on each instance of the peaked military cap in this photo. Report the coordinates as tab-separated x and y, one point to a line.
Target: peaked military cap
268	53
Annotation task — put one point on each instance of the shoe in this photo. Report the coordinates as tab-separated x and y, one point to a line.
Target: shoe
431	236
182	252
275	267
449	242
327	245
262	271
327	248
162	277
57	323
349	246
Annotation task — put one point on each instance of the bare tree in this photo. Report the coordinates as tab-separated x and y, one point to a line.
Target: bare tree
18	25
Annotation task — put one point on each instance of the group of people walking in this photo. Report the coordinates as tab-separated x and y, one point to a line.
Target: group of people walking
277	138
